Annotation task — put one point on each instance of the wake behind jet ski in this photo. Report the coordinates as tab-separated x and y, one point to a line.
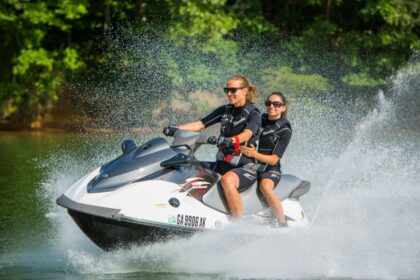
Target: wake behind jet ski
160	190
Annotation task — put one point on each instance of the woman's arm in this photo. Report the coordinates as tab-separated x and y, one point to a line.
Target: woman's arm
252	127
192	126
278	151
243	136
272	159
210	119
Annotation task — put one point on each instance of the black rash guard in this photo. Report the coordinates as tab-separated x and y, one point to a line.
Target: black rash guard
274	138
233	121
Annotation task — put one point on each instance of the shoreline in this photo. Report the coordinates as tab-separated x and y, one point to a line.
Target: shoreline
74	130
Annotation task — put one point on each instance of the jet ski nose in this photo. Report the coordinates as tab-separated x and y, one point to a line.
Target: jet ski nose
135	163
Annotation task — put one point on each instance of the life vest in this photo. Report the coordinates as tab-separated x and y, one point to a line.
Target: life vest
269	137
233	123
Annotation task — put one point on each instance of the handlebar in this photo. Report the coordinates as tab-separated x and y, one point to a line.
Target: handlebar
192	139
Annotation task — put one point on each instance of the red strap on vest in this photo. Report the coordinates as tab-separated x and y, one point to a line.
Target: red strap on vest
235	151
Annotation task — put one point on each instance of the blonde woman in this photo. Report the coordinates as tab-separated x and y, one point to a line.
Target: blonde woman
240	122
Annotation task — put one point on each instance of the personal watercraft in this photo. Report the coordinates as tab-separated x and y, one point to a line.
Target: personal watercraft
160	190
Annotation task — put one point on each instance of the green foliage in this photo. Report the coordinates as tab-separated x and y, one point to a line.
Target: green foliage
202	28
203	21
362	79
283	79
311	47
72	9
30	57
71	59
37	66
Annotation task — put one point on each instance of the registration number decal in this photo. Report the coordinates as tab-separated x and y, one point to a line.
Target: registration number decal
191	221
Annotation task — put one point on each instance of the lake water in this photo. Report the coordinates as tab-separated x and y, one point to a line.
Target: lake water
363	163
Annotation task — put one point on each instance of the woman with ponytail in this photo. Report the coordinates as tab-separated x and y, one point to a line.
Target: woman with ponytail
240	122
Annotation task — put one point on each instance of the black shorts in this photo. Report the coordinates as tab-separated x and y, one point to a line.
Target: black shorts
273	175
222	167
247	173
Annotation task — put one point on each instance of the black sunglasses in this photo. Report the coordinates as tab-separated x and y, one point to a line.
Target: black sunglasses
231	89
276	104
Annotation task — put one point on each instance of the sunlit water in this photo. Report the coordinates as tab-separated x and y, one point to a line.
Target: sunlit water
363	205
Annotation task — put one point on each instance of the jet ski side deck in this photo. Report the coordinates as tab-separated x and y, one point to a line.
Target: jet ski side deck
109	230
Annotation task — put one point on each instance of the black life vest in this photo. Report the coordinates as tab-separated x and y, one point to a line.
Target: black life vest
269	136
233	122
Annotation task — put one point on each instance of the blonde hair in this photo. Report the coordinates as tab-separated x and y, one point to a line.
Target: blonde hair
252	93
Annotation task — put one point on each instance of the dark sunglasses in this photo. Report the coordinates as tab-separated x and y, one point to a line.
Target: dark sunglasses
276	104
231	89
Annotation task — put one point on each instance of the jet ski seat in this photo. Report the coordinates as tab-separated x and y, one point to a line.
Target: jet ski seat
288	187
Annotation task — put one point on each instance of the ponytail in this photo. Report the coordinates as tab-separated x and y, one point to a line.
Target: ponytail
252	94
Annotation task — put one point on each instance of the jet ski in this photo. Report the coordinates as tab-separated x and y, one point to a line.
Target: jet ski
159	190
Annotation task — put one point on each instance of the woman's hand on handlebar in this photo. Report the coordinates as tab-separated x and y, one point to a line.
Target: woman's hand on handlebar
212	140
170	130
220	141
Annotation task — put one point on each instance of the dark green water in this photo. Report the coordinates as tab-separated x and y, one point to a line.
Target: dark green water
25	160
23	207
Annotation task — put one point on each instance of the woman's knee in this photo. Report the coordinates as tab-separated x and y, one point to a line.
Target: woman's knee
229	181
266	187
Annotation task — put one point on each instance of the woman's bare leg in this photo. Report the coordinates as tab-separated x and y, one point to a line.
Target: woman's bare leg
267	189
230	184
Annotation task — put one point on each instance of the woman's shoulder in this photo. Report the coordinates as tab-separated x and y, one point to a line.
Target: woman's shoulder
283	124
222	108
251	108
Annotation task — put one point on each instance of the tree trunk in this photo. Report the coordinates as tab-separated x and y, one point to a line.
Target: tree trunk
69	37
107	23
327	9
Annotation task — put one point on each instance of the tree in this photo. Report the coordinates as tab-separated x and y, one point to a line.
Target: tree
36	58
